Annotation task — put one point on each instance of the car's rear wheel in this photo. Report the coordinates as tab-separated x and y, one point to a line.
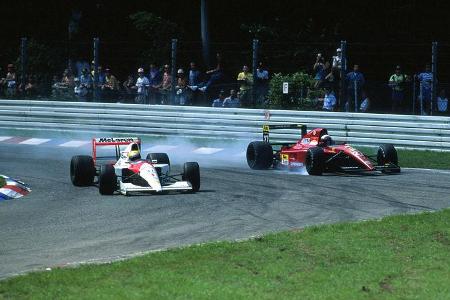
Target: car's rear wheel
82	170
191	173
158	158
315	161
387	154
107	180
259	155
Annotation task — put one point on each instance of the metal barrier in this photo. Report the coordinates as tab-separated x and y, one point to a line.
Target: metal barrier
419	132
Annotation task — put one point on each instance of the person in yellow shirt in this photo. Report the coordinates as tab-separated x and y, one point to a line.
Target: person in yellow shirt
245	78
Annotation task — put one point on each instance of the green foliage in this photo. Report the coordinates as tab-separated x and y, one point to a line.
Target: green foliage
399	257
259	31
301	95
43	60
2	181
158	32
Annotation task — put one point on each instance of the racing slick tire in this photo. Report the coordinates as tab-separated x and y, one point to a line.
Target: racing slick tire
191	173
259	155
388	154
161	158
107	180
82	170
314	162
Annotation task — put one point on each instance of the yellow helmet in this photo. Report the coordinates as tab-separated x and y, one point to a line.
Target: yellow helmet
134	155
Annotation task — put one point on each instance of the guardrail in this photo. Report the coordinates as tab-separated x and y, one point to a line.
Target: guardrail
419	132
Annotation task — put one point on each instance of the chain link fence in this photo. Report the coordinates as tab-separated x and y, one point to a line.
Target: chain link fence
174	72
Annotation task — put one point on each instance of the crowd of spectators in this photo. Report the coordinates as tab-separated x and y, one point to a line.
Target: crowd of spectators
153	85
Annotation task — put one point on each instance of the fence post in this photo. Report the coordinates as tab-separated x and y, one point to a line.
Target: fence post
204	32
434	53
421	98
355	86
96	63
414	94
23	60
341	100
173	70
255	66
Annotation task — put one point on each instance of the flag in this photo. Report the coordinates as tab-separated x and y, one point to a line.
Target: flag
13	189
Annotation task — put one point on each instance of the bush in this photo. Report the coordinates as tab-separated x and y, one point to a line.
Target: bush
301	95
2	181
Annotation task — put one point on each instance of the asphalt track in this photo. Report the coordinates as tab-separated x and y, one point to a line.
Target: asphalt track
59	224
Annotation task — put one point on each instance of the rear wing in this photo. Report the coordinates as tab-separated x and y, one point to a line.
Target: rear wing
112	141
267	128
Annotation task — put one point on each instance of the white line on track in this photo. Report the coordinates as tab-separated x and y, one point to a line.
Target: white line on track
4	138
429	170
34	141
161	148
206	150
74	144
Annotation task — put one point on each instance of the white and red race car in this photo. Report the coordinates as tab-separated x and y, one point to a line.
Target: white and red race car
119	173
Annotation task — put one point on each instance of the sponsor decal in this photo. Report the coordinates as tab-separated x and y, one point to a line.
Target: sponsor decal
306	141
296	164
115	140
284	159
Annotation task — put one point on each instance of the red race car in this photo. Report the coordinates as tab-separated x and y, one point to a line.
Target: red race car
317	152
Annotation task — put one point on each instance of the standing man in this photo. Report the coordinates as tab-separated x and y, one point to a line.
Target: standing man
142	85
355	82
397	82
245	78
425	80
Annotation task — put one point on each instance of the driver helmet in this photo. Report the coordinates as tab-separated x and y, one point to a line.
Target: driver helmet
326	140
134	155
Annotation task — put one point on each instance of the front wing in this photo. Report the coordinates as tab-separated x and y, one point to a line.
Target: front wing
127	187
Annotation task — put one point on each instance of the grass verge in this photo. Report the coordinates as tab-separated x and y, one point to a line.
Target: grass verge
399	257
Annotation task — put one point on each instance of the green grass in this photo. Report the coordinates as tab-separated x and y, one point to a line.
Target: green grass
399	257
418	158
2	181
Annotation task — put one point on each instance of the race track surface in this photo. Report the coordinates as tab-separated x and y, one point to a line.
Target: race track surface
59	224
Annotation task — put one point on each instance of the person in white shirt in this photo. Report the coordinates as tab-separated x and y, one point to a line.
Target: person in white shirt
337	59
442	102
329	100
142	85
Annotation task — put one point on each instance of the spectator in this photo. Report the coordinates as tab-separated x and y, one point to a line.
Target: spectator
329	100
142	85
165	86
63	88
84	88
365	103
262	84
245	78
110	88
442	102
128	86
425	79
181	97
216	75
195	81
397	82
337	60
355	83
232	101
31	88
9	82
219	101
319	69
154	78
194	77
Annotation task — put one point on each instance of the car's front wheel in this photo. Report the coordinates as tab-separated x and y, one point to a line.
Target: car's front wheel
315	161
191	173
387	154
107	180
